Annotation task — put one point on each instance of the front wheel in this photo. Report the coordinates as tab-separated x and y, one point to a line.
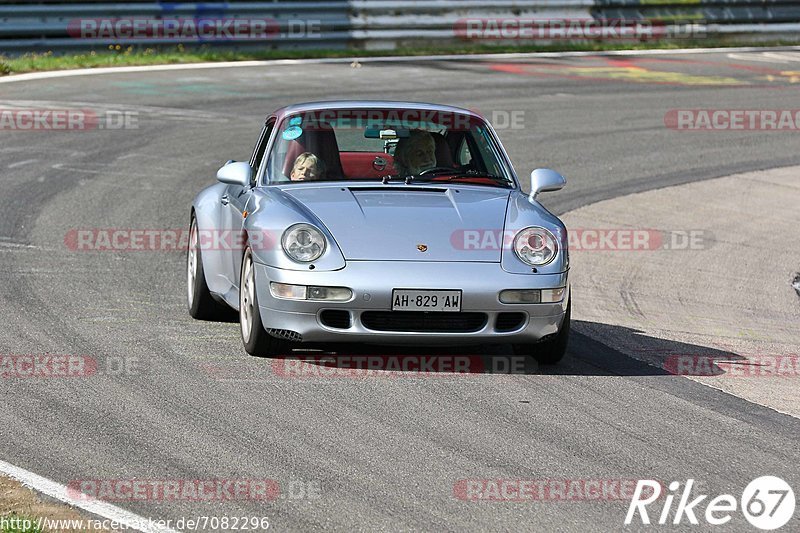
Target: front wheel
551	350
201	304
255	338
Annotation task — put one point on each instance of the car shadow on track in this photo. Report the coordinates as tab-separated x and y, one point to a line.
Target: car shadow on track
645	356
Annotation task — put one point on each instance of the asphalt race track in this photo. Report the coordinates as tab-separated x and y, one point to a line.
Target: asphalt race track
178	399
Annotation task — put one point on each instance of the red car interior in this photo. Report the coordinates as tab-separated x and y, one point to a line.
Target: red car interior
321	141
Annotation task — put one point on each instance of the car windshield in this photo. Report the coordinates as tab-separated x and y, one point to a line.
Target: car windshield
407	145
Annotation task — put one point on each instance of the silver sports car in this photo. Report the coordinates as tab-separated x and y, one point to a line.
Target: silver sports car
380	222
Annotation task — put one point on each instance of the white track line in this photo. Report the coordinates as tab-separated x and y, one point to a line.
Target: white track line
95	507
781	57
755	57
276	62
22	163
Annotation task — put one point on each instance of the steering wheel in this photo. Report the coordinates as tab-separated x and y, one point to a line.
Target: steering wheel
435	169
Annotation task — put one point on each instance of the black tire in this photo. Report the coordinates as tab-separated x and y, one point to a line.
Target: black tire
255	338
202	305
552	349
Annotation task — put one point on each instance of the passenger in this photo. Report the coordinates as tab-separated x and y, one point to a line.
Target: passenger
307	167
415	153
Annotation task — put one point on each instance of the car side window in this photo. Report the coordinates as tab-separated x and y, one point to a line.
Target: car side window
261	148
486	152
464	155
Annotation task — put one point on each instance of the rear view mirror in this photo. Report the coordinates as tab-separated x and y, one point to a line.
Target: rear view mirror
545	180
235	173
386	133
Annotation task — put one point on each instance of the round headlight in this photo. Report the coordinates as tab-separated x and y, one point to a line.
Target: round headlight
535	246
303	243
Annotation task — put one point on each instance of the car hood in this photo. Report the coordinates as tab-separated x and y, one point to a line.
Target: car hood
409	223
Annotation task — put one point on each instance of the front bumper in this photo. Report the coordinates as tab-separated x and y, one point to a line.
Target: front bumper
372	283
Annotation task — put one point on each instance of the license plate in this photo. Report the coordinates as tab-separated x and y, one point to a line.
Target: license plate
425	300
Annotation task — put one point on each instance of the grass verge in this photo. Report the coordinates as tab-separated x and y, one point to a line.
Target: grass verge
21	509
116	56
15	523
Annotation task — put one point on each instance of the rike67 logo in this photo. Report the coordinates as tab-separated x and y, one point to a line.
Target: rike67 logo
767	502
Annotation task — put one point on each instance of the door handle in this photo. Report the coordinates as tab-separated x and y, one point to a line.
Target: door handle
224	199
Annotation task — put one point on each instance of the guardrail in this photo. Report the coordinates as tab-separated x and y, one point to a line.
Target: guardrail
64	25
67	26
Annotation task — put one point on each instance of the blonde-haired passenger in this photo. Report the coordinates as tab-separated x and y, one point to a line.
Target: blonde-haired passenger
307	167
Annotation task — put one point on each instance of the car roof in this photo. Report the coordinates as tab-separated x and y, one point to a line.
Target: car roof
369	104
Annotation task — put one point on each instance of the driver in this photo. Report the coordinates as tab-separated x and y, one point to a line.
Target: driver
307	167
415	153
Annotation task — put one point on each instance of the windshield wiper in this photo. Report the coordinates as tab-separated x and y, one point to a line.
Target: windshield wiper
467	174
498	179
389	177
433	171
455	174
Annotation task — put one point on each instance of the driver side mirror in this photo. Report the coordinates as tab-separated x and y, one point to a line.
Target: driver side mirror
545	180
235	173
